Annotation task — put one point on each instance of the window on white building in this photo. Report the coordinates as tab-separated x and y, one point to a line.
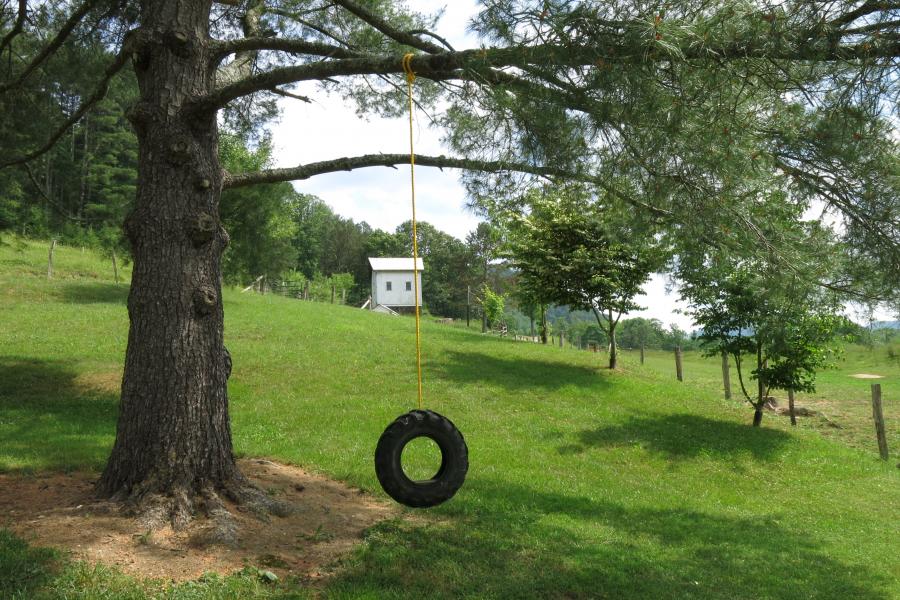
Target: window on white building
409	286
388	288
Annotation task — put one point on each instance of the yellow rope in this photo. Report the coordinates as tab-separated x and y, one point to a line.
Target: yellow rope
410	78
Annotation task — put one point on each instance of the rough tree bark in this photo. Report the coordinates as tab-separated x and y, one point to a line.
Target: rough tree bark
173	449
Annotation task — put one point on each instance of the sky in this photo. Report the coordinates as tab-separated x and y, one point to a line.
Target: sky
330	128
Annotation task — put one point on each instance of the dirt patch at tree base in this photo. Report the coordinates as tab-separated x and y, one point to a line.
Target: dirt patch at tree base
59	510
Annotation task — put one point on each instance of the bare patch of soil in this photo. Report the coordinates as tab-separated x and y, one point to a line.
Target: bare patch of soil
866	376
329	519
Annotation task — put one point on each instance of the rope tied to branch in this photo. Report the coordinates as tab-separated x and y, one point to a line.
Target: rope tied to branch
410	78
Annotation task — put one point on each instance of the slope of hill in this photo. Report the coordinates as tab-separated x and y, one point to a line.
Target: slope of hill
584	483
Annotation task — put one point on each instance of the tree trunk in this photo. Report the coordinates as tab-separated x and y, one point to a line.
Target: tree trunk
543	324
468	304
613	351
757	416
791	407
760	388
173	439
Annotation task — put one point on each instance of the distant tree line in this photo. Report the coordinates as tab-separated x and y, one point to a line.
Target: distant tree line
82	190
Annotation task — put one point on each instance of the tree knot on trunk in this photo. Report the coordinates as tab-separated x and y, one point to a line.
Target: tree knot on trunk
201	229
180	150
205	299
179	43
140	114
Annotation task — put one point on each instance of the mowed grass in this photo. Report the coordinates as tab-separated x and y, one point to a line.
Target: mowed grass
583	483
844	403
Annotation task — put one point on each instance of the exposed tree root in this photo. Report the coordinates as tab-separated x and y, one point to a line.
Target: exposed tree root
208	509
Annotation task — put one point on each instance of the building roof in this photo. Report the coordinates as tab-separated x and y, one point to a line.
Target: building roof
395	264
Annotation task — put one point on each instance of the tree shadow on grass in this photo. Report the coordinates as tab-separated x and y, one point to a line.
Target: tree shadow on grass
514	373
94	293
512	541
52	419
684	436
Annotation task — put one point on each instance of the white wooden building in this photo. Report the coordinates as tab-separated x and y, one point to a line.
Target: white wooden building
392	283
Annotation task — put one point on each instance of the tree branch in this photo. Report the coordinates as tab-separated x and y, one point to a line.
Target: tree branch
97	96
466	63
17	27
242	65
441	162
291	45
384	27
288	94
53	46
866	8
438	67
434	35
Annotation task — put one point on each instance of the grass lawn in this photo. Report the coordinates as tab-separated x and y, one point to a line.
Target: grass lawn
583	483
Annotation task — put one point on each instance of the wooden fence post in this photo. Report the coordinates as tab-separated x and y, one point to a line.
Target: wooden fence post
50	259
879	421
343	295
678	372
332	293
468	303
642	353
726	376
306	290
115	267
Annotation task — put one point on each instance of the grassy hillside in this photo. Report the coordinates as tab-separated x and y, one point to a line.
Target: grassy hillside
583	483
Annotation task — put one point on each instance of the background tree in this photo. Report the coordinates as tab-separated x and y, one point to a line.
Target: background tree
446	262
641	333
493	306
764	313
674	97
575	255
258	219
483	244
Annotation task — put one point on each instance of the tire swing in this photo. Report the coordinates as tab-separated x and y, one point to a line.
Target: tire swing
419	423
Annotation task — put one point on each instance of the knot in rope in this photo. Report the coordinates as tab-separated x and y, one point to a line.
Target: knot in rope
407	67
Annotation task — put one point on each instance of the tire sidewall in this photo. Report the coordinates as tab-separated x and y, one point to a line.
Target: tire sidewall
454	459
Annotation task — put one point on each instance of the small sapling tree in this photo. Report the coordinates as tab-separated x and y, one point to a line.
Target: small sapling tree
784	326
571	251
492	304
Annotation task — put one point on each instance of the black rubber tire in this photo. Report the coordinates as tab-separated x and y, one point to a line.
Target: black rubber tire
454	459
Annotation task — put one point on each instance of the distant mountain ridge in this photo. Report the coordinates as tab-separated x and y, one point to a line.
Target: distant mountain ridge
886	325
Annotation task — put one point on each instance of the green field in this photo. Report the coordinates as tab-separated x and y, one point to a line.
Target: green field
583	483
844	402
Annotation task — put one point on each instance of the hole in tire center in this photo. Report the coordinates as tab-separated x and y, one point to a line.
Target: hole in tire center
421	459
